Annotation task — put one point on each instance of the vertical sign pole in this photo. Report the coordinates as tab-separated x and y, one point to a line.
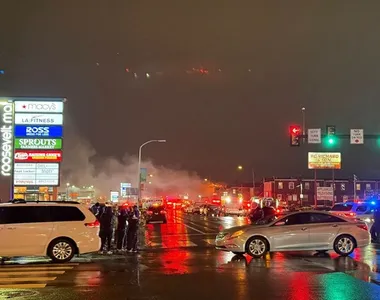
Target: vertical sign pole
315	188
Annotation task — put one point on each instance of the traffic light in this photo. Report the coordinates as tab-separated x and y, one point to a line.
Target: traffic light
295	135
331	139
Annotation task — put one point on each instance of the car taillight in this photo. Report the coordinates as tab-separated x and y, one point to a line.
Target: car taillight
149	212
163	212
278	210
363	226
92	224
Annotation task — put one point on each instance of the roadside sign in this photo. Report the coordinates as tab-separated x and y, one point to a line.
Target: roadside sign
325	193
324	160
357	136
314	136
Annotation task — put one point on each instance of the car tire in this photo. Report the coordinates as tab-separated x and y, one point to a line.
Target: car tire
61	250
257	246
344	245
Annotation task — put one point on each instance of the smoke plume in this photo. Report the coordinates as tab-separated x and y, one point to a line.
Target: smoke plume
81	168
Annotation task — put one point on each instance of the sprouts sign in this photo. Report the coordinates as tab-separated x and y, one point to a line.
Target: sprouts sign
6	139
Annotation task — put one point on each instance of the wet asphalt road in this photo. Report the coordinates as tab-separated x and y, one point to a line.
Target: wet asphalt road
178	261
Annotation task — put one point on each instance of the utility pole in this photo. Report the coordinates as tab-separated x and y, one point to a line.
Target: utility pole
333	186
355	179
315	187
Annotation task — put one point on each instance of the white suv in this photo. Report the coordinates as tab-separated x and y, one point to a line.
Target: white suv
55	229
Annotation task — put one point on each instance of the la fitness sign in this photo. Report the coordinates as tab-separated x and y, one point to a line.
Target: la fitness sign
6	138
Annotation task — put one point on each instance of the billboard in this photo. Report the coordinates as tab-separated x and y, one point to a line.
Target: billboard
38	143
26	174
38	106
324	160
114	196
123	188
325	193
38	156
38	119
6	138
38	131
143	174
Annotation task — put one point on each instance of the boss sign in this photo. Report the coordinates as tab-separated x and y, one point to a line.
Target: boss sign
38	106
22	131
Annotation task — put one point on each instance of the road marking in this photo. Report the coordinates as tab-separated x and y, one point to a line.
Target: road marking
191	227
31	273
23	286
26	279
34	269
30	276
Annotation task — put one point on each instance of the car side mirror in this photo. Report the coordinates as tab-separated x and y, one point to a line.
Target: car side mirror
280	223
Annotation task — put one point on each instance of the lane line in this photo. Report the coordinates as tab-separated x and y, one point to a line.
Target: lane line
26	279
37	265
23	286
31	273
195	229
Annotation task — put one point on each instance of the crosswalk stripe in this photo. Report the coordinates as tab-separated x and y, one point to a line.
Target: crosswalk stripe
38	265
23	286
31	273
35	269
31	276
26	279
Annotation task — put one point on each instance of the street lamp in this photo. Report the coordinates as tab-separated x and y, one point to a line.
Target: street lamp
240	168
139	167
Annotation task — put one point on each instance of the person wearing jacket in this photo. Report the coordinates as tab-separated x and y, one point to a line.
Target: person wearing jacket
133	222
121	228
105	232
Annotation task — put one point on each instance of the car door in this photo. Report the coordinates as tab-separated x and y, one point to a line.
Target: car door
323	229
290	232
26	229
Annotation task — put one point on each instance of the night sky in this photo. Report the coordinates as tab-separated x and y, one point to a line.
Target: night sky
274	57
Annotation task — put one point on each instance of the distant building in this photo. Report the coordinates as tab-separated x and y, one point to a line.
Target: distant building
297	190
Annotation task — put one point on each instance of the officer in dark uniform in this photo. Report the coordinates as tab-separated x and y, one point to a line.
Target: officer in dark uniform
375	229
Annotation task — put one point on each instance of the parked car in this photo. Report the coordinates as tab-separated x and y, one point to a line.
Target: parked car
58	230
309	230
156	214
212	210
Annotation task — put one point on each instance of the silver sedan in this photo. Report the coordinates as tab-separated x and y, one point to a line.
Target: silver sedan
300	231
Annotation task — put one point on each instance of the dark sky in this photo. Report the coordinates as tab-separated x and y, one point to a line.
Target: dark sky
323	55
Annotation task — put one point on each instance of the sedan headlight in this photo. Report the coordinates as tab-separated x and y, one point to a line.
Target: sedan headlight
368	220
236	234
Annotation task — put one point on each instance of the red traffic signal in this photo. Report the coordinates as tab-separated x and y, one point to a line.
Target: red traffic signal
295	135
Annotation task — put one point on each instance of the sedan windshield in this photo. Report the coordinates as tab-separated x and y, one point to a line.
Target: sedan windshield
265	220
342	207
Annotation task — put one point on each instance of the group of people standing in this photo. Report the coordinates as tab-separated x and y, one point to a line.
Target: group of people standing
118	228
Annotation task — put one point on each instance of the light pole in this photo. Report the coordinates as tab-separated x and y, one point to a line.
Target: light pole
139	167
